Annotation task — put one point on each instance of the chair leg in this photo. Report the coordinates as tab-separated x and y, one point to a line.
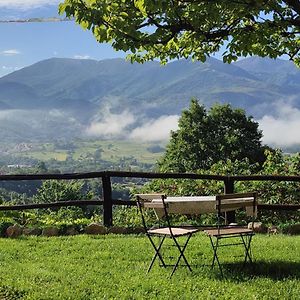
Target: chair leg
247	244
181	250
157	253
215	258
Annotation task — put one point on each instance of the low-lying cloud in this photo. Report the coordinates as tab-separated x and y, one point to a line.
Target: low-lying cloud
112	125
124	125
156	129
78	56
281	130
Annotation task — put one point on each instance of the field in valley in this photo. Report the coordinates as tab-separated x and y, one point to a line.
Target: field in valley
108	150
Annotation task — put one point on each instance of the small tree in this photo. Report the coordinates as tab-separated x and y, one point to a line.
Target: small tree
58	190
207	138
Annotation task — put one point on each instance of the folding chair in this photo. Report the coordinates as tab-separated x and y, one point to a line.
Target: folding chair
144	202
223	231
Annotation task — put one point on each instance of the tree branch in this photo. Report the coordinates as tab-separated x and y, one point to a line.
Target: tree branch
294	4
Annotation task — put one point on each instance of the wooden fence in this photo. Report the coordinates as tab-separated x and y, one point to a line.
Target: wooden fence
107	200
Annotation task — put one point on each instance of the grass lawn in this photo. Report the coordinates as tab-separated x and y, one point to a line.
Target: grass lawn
114	267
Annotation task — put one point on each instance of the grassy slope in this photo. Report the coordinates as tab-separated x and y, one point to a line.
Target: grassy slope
112	151
113	267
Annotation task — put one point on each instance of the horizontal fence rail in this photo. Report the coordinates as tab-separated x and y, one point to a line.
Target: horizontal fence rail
107	201
149	175
51	205
291	207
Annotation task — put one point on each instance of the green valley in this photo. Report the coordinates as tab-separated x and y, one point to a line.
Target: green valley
97	153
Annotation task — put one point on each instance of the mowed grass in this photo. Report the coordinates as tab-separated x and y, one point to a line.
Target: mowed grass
114	267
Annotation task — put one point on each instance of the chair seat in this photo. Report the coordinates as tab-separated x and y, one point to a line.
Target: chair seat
228	231
176	231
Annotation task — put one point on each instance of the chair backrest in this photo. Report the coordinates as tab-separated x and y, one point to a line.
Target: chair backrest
144	201
232	202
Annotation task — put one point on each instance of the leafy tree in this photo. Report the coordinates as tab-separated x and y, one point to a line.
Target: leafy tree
59	190
207	138
174	29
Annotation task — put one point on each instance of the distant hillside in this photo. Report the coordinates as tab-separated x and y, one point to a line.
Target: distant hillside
282	73
63	96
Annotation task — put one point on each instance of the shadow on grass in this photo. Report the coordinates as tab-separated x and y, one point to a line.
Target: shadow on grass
276	270
7	292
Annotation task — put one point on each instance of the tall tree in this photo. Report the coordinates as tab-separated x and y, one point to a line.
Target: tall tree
205	138
177	28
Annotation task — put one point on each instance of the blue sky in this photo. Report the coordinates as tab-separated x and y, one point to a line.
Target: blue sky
24	44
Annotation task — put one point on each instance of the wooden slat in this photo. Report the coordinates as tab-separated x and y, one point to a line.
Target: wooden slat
228	231
150	196
177	231
236	196
235	205
154	205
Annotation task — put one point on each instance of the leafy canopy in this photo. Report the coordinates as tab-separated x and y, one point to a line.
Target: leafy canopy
205	138
59	190
162	29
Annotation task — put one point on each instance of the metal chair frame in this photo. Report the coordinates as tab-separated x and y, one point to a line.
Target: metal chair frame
164	232
228	232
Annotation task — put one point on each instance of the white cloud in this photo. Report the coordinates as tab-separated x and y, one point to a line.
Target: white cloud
56	113
113	125
156	130
10	52
81	56
26	4
6	68
282	129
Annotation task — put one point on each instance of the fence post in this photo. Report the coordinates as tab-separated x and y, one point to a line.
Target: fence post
229	189
107	201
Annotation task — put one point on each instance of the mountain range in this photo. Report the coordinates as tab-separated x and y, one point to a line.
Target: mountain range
62	97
